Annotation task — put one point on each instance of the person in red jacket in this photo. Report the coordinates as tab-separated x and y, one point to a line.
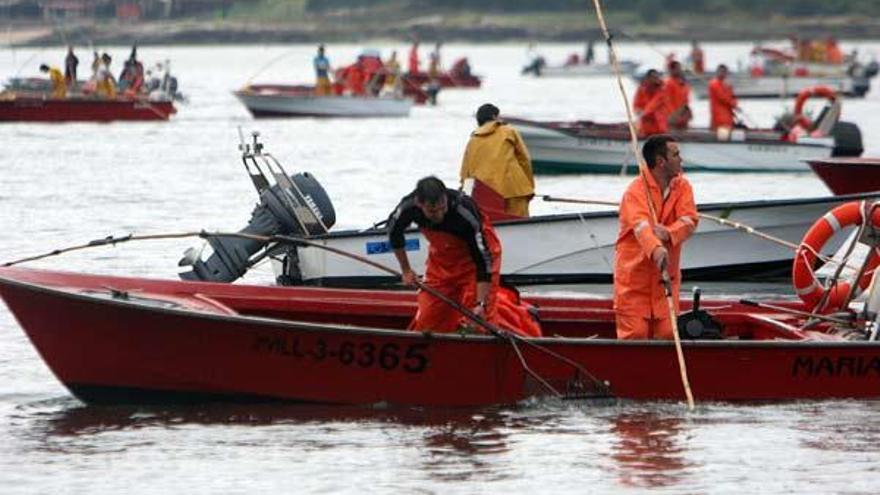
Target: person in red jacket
651	105
464	262
722	103
648	248
414	58
678	95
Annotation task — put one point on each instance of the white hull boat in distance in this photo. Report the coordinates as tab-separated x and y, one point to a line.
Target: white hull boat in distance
627	68
746	86
300	101
579	248
589	147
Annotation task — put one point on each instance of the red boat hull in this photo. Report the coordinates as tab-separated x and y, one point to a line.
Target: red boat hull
112	340
37	109
848	175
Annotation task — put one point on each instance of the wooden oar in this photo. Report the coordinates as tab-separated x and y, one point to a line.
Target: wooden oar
602	388
642	171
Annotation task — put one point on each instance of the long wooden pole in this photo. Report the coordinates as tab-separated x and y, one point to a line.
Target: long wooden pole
722	221
634	144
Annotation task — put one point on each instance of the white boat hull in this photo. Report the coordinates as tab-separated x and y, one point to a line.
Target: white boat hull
627	68
286	105
745	86
577	248
554	151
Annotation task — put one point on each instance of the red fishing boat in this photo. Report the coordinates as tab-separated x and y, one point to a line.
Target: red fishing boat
848	175
458	76
131	340
40	108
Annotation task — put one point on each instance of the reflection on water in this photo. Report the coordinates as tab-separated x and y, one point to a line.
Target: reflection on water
649	449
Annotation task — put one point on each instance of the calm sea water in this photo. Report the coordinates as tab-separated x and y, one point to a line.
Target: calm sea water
67	184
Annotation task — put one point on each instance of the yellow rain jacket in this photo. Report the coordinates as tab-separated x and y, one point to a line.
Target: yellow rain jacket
59	84
498	157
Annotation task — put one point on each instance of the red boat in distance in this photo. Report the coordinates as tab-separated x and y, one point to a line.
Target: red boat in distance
40	108
135	340
446	80
848	175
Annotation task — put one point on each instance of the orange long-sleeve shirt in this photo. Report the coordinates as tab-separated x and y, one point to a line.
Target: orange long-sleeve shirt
655	111
637	287
721	103
678	93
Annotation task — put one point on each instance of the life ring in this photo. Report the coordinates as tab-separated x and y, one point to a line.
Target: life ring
806	285
802	97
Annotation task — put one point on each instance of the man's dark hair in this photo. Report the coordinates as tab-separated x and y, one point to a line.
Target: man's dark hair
44	68
429	190
487	112
721	66
655	146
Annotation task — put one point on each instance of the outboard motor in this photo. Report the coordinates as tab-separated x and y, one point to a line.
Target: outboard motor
698	324
847	139
295	205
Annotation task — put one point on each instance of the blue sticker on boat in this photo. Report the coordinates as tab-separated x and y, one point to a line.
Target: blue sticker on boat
380	247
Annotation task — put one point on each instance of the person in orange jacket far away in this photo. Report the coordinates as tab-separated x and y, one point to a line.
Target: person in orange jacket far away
651	105
722	104
648	249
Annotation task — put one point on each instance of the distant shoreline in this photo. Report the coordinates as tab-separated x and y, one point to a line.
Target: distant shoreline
426	28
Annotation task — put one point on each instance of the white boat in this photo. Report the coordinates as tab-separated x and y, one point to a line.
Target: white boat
627	67
747	86
274	100
579	248
589	147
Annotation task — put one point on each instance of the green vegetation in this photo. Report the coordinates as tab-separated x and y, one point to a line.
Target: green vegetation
646	8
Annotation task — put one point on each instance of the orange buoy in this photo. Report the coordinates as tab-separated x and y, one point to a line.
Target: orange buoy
806	285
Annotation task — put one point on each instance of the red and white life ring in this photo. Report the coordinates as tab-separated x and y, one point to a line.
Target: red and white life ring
802	97
806	285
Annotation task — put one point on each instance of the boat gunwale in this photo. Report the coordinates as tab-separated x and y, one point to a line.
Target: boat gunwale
561	217
681	137
483	339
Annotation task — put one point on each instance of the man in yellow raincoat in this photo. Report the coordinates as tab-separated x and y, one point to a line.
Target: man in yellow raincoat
497	156
59	84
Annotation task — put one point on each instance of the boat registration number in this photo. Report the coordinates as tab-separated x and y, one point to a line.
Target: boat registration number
764	148
410	358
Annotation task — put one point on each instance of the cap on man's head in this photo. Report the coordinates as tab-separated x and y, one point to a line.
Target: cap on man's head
487	112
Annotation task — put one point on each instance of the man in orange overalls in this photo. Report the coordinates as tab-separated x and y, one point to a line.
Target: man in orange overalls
651	105
464	261
722	103
678	95
648	249
414	58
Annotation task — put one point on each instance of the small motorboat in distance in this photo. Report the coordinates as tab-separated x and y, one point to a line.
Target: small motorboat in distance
21	107
591	147
784	72
278	100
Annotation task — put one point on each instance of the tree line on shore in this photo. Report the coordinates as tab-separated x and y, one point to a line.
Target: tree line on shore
646	8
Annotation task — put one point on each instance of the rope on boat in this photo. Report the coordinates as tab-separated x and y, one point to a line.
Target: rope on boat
723	221
642	172
602	388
